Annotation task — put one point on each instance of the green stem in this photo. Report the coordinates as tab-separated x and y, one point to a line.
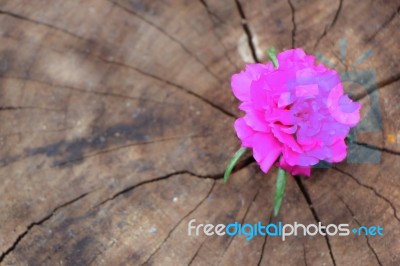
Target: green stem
272	56
235	158
279	190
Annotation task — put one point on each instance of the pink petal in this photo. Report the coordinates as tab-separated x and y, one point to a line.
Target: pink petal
244	132
254	118
285	99
298	170
241	82
307	90
291	55
310	60
349	118
339	151
293	170
289	130
258	94
265	150
280	115
286	139
300	159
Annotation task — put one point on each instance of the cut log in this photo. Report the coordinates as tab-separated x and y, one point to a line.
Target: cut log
117	124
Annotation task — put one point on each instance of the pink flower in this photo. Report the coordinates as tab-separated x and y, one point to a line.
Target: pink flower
296	112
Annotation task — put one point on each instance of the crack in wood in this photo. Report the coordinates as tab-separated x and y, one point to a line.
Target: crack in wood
132	187
38	223
128	11
196	253
56	149
105	94
239	167
307	197
210	12
243	220
128	66
212	15
305	255
30	132
164	32
214	177
294	28
17	16
150	75
17	108
64	163
104	249
359	224
264	243
247	31
385	24
380	85
371	189
192	93
330	26
97	93
373	147
179	222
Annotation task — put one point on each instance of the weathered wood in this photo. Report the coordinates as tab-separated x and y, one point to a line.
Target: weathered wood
116	126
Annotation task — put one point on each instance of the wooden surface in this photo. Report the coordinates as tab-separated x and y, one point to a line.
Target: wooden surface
116	126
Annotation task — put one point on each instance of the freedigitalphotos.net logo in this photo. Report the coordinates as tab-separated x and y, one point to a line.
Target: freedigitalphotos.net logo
372	120
279	229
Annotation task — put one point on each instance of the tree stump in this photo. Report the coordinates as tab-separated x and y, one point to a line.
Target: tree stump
116	127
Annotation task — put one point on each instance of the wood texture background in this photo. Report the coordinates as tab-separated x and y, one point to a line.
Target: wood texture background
116	126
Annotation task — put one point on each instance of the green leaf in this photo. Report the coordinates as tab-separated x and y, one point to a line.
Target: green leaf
233	162
279	190
272	56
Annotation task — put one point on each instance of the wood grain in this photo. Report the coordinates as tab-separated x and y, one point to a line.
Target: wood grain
116	126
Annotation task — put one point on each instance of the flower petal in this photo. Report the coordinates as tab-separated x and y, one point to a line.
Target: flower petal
293	170
300	159
254	118
241	82
285	99
339	151
244	132
299	170
335	108
284	138
298	110
265	150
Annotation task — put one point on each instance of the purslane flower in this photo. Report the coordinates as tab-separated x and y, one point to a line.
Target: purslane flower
295	115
